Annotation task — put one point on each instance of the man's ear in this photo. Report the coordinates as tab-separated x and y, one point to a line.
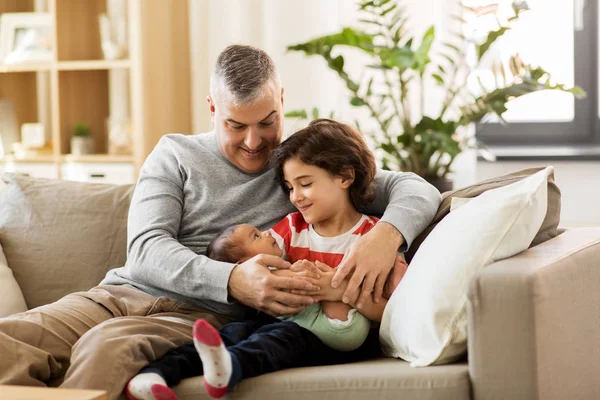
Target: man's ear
211	105
281	97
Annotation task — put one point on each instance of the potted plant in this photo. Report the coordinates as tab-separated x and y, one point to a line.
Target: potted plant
400	67
81	141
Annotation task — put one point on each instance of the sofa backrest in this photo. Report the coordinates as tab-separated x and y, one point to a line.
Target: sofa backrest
61	236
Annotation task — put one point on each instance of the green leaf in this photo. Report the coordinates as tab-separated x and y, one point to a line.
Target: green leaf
357	124
337	64
357	102
382	3
426	43
491	38
438	79
388	10
388	148
452	47
296	114
366	4
324	44
428	124
449	58
369	87
369	22
315	113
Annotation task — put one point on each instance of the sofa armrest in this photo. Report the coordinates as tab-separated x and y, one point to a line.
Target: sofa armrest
534	322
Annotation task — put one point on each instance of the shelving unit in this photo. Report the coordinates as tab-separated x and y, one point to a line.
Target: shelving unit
151	86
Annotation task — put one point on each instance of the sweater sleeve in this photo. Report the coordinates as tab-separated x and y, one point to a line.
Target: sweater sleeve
406	201
154	255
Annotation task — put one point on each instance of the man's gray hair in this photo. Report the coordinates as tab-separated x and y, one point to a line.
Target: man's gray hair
244	71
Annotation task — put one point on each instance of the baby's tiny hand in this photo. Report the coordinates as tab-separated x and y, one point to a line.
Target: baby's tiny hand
306	268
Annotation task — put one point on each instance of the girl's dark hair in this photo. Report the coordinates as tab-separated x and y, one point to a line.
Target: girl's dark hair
335	147
222	248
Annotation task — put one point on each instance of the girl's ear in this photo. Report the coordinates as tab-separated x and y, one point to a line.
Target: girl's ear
349	177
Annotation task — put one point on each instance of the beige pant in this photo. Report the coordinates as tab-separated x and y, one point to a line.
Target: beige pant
94	340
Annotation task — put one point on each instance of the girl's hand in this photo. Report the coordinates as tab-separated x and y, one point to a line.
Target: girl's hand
395	276
368	264
324	282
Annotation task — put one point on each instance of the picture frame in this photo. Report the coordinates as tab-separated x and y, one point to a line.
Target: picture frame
26	38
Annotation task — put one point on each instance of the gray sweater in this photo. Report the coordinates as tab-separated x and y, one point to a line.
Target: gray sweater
188	191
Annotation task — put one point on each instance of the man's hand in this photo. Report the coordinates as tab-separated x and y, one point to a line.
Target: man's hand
370	261
252	283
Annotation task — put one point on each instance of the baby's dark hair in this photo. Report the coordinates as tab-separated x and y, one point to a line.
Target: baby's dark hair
222	248
334	147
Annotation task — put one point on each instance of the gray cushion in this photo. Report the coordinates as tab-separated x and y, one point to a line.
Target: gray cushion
381	379
61	236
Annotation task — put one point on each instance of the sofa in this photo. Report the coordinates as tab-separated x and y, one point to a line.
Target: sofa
533	319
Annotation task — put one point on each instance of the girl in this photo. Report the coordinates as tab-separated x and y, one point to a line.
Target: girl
328	171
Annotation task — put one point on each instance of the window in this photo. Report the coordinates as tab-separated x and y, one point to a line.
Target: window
561	37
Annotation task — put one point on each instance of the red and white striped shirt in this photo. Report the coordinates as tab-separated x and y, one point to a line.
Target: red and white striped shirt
299	241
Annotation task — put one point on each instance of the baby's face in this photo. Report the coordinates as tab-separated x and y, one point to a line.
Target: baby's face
255	242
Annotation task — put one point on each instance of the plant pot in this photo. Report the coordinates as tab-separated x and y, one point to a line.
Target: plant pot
81	145
441	184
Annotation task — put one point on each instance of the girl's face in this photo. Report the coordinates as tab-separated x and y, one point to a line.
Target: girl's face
317	194
255	242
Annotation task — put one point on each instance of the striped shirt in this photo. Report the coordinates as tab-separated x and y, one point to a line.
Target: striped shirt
299	240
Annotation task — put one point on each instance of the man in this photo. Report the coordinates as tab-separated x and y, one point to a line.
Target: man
190	187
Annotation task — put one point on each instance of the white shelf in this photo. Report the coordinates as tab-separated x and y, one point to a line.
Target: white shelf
92	65
86	65
27	67
98	158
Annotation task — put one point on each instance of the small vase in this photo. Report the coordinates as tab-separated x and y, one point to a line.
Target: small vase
441	184
81	145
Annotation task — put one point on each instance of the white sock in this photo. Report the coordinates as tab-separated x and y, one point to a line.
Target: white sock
216	360
149	386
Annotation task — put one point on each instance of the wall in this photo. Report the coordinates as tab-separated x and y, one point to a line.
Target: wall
273	25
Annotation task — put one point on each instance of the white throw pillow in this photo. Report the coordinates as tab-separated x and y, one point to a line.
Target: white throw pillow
425	320
13	301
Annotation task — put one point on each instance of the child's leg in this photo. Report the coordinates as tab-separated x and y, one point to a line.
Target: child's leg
271	348
153	381
342	335
183	362
336	310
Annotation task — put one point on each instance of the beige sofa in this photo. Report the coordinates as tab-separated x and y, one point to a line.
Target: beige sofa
534	319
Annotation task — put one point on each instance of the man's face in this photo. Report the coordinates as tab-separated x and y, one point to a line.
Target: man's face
247	134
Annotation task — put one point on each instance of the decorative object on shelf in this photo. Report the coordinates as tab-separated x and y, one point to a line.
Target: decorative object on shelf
119	136
25	37
32	135
9	127
113	36
82	142
401	75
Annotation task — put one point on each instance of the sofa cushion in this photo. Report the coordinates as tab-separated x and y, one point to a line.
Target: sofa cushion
12	296
547	231
382	379
61	236
425	319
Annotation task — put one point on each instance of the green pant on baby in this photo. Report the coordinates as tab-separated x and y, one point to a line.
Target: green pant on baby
340	335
